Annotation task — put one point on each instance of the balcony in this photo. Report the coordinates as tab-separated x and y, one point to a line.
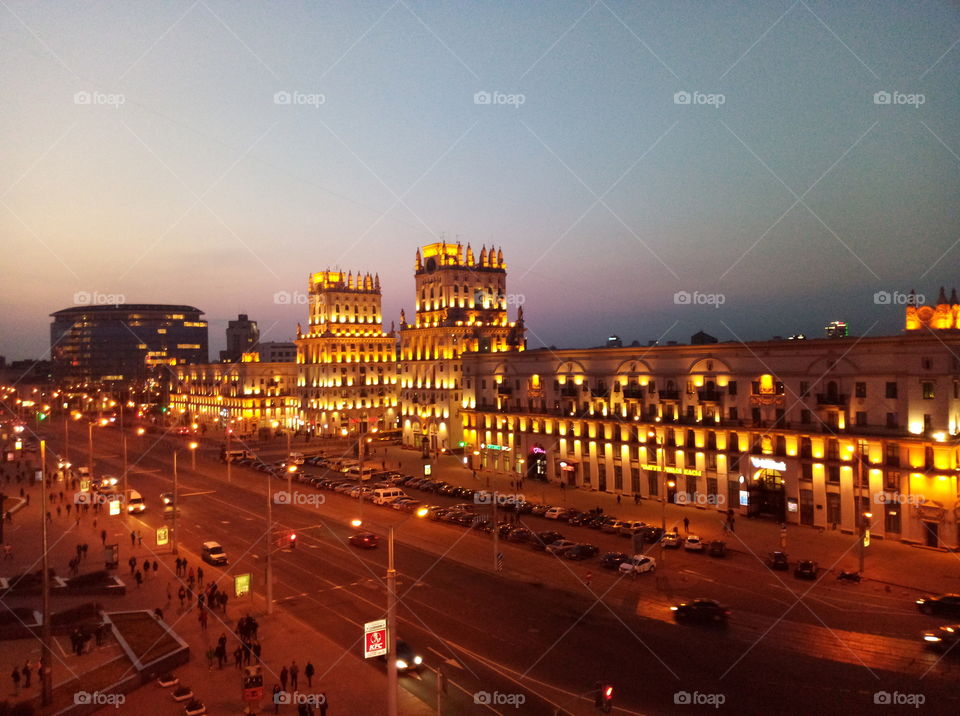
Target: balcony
709	396
503	389
669	395
633	393
839	399
570	391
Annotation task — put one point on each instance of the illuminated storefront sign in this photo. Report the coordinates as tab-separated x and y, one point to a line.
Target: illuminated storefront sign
765	463
673	470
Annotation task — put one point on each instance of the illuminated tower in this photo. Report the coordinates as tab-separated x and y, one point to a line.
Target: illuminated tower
347	377
945	315
461	305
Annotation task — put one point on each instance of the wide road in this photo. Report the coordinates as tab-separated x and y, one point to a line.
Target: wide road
791	646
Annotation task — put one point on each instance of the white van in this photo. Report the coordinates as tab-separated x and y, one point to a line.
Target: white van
234	455
386	495
213	553
355	471
296	458
135	502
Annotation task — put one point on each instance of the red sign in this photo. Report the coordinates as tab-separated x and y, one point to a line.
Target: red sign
375	638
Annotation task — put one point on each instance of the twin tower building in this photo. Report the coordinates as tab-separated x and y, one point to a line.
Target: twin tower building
354	376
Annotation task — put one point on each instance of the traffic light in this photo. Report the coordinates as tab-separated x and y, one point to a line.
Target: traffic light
293	540
603	699
41	416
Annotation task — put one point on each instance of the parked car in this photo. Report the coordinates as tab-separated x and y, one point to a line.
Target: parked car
942	638
627	528
700	610
542	539
638	564
717	548
610	525
521	534
671	540
651	534
576	518
693	544
778	560
560	546
581	551
613	560
539	510
364	540
946	604
805	569
555	513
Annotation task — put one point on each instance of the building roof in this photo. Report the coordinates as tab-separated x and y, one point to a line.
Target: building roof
122	308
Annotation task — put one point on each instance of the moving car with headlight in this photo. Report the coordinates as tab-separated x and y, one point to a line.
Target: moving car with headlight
940	604
700	610
407	659
942	638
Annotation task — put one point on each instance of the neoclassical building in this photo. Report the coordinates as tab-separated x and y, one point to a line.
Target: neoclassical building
346	361
843	432
461	308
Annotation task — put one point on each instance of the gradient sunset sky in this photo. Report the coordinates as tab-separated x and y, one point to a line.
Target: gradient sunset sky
147	154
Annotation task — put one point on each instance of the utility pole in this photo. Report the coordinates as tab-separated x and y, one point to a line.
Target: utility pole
229	460
861	530
269	542
176	491
496	537
46	634
90	448
392	681
66	437
126	494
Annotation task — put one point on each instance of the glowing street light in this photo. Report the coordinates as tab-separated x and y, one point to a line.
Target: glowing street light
193	455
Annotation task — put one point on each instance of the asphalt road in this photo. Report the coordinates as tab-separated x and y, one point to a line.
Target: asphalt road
791	646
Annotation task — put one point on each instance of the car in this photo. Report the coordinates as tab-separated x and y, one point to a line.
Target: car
560	546
942	638
555	513
778	561
651	535
717	548
610	525
407	658
947	604
628	528
364	540
463	492
212	553
581	551
700	610
575	518
445	489
693	544
671	540
521	534
593	521
166	498
638	564
407	505
805	569
539	510
613	560
542	539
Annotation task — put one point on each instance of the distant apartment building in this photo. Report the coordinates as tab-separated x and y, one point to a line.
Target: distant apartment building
242	335
123	343
347	362
276	351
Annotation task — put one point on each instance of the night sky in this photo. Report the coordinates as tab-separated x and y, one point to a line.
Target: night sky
786	161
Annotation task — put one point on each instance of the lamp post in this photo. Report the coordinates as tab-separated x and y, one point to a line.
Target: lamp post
229	460
193	455
268	536
90	448
46	635
392	680
125	493
176	507
663	489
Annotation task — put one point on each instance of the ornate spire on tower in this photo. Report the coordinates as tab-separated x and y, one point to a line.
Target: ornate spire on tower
483	256
459	252
419	262
942	298
953	297
500	257
469	259
376	281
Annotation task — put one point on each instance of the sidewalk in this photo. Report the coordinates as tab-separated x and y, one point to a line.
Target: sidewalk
887	561
351	685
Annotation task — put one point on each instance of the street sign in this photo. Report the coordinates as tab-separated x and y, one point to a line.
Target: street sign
163	536
241	584
375	638
84	485
427	470
114	507
499	561
866	538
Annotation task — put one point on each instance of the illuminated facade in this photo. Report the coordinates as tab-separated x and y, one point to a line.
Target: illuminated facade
248	396
347	363
122	343
944	316
461	306
844	432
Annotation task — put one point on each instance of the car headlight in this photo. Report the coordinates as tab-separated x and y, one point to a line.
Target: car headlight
401	664
931	637
921	601
417	660
673	609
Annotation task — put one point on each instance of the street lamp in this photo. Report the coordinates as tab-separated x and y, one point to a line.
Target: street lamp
658	441
861	516
193	455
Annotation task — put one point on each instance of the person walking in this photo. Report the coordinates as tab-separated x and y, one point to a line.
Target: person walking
294	675
26	671
199	576
182	594
146	568
202	618
308	671
133	538
284	675
133	564
139	538
156	567
686	525
103	537
276	698
618	499
323	703
15	676
138	576
238	657
257	648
